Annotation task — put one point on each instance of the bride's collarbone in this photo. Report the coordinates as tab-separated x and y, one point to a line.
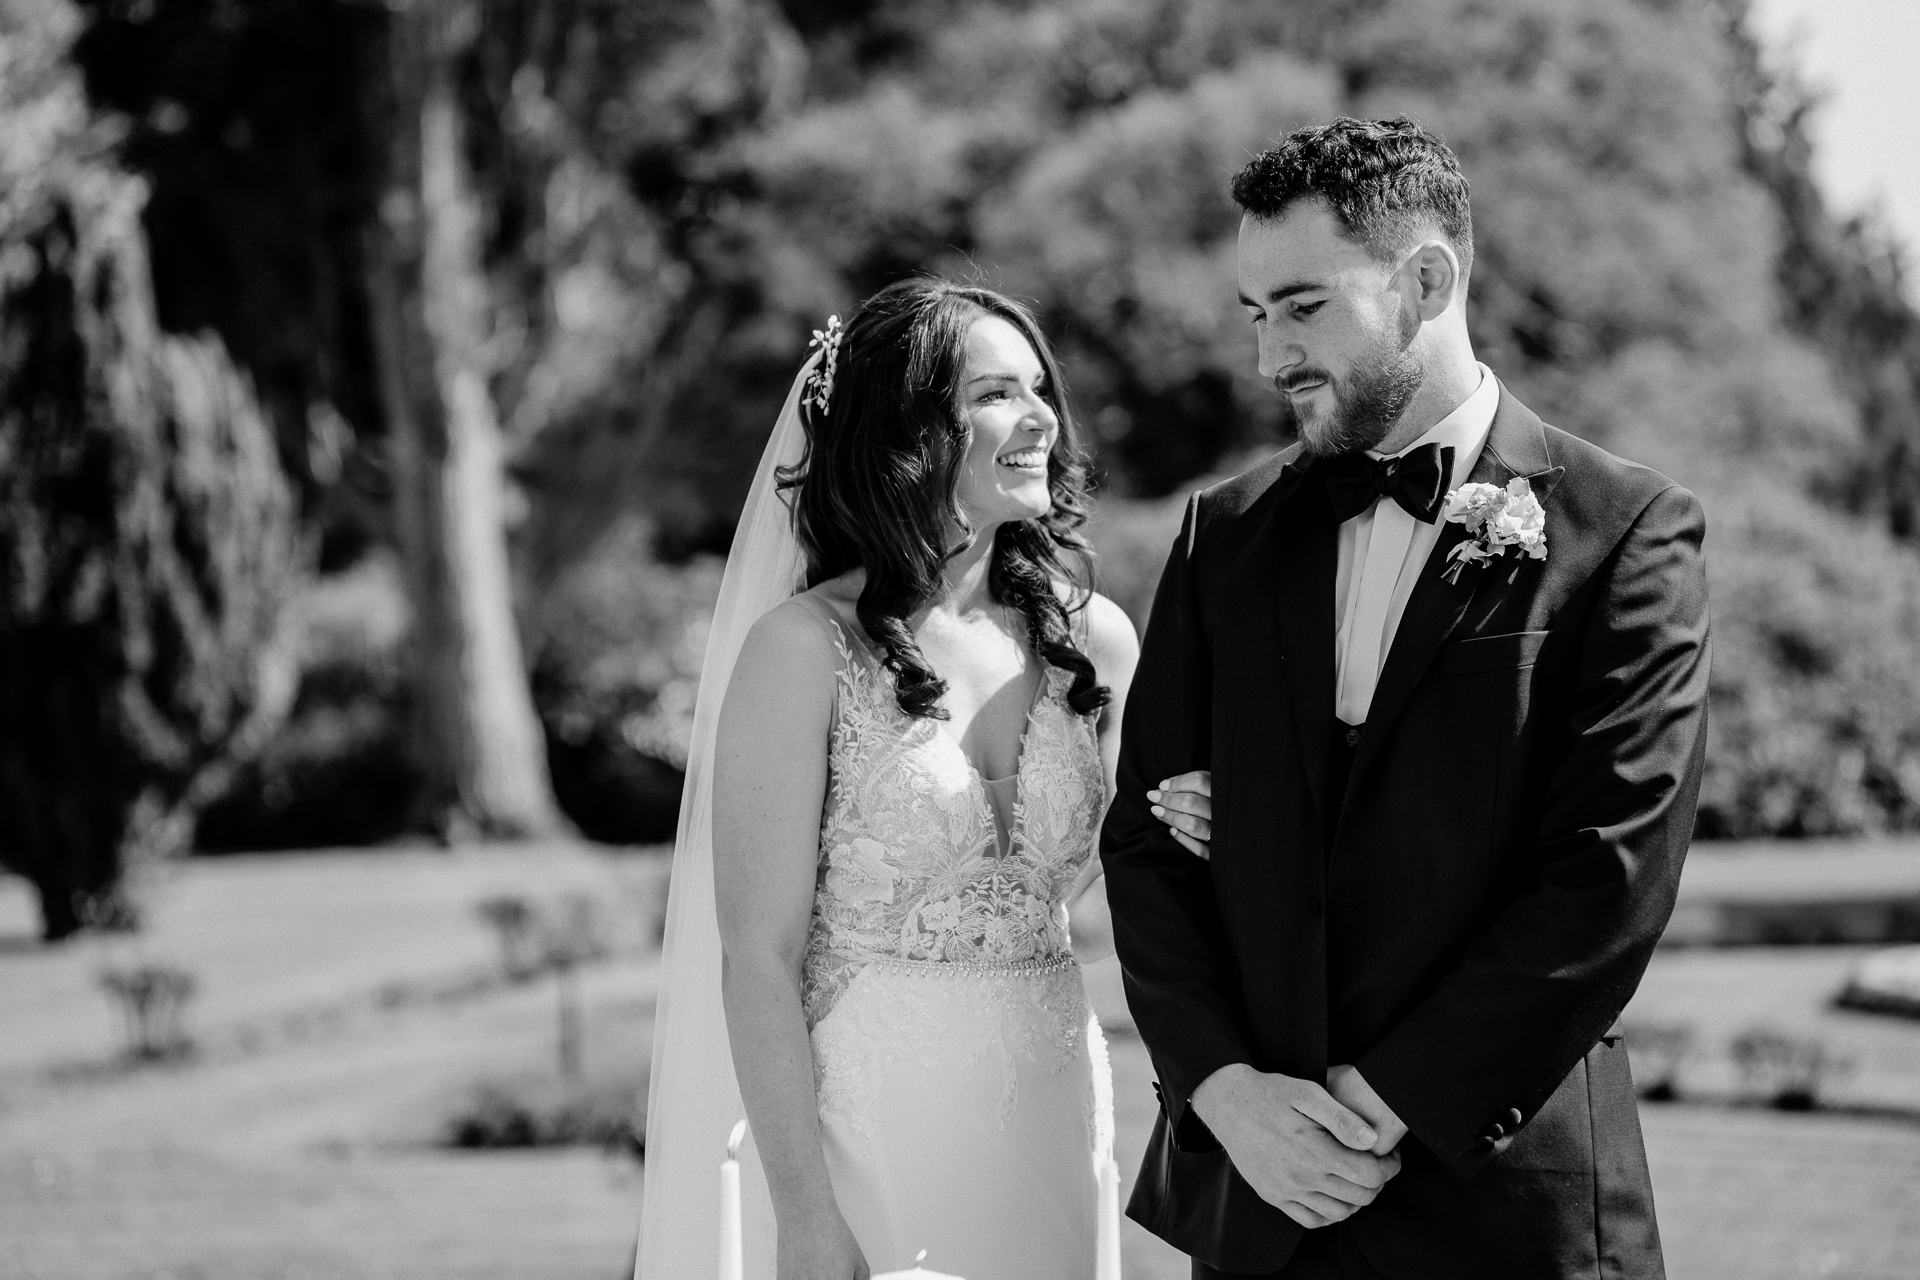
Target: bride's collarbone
990	679
989	701
993	681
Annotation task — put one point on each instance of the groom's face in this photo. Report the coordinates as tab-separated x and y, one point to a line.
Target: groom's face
1334	329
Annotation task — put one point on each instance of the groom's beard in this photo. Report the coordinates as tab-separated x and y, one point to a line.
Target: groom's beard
1366	404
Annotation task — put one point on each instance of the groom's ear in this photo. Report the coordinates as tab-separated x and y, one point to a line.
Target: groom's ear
1433	271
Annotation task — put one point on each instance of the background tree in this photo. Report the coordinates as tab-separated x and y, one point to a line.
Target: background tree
147	535
479	741
665	196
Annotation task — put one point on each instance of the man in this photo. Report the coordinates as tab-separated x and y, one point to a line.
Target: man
1455	749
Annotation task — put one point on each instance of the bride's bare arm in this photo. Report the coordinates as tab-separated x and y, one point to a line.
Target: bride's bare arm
1115	650
769	783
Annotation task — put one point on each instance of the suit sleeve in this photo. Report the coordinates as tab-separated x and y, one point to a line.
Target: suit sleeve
1181	981
1555	967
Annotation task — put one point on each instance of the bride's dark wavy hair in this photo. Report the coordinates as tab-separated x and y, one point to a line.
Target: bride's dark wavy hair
878	486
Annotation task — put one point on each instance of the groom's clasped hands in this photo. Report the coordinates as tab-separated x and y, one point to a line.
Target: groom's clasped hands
1317	1154
1312	1153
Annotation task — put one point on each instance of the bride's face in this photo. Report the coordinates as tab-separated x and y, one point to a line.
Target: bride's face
1003	401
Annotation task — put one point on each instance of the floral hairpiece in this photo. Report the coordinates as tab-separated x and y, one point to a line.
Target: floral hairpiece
818	391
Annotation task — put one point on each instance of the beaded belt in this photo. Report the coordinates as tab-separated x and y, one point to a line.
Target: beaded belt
977	969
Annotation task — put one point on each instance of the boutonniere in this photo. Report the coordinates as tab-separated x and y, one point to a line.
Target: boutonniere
1496	519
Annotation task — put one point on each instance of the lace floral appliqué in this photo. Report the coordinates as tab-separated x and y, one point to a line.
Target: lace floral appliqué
910	871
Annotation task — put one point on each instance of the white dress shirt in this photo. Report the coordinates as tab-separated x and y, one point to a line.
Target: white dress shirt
1382	552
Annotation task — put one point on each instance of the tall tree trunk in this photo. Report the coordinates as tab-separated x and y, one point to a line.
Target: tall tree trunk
479	740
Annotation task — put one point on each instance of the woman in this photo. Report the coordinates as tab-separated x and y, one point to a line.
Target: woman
909	776
907	780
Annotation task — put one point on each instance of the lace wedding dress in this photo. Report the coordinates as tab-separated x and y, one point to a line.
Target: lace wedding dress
963	1085
963	1088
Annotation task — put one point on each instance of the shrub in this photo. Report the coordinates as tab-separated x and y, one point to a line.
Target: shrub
1785	1071
608	1113
622	636
153	1000
338	771
148	537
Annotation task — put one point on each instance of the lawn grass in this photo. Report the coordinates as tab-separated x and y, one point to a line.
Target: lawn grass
351	1006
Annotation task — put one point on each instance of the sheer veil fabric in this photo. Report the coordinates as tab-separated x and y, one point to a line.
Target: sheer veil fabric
693	1097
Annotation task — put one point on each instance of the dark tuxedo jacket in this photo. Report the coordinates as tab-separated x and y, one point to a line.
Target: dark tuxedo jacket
1501	864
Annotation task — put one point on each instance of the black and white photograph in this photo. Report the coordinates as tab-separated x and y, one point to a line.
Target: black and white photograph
959	640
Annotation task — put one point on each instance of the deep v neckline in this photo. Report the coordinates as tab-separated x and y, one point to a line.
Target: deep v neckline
1007	834
1020	749
981	784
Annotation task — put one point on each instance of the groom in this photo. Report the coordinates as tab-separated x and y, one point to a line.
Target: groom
1453	779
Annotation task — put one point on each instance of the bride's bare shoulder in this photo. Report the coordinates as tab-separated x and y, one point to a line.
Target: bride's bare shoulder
792	643
1108	630
1111	641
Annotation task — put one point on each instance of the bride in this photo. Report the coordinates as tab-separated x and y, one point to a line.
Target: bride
888	818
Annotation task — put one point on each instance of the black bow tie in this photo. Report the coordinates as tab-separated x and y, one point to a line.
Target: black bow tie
1417	480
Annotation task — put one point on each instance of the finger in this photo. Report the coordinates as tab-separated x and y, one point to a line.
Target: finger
1199	781
1184	802
1362	1168
1319	1106
1368	1175
1198	828
1304	1216
1326	1206
1348	1193
1194	847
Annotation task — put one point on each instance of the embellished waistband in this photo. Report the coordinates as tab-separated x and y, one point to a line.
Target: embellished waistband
977	968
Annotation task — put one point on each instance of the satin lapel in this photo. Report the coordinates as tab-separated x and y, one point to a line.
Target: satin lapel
1516	446
1302	543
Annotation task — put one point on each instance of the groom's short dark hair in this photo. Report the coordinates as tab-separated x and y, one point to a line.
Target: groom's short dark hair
1385	180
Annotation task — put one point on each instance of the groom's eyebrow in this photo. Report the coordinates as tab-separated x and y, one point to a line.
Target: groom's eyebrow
1284	291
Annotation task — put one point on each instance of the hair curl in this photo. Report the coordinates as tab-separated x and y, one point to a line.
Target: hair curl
1385	181
878	487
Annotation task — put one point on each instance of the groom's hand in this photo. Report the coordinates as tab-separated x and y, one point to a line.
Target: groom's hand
1295	1144
1351	1090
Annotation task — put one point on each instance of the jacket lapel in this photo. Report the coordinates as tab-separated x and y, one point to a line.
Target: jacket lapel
1302	543
1516	446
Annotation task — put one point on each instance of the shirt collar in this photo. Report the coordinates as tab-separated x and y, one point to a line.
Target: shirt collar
1465	429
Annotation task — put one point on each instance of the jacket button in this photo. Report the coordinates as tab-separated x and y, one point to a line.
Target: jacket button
1495	1132
1487	1144
1353	737
1514	1118
1313	904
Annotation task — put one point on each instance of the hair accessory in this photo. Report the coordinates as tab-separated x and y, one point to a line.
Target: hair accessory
819	388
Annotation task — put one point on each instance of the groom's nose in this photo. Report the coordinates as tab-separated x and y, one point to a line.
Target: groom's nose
1277	355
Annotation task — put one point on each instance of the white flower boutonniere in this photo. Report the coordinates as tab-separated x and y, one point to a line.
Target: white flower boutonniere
1496	519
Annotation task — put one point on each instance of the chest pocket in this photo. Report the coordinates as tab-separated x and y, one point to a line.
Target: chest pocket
1506	652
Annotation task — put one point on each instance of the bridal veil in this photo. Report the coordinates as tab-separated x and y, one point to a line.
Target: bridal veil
693	1098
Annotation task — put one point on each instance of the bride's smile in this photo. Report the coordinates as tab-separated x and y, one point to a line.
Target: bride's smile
1008	409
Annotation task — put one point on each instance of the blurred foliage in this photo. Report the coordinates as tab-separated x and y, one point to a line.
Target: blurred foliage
147	534
677	192
1785	1071
338	772
616	675
152	999
532	1111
